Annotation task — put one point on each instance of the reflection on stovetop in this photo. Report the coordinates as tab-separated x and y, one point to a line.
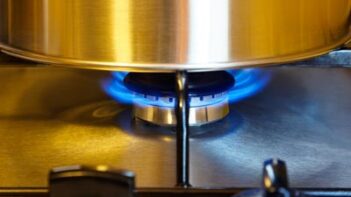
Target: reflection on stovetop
54	117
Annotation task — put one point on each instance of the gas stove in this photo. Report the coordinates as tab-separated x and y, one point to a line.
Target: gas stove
297	114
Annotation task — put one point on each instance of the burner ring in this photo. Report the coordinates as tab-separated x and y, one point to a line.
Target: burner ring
165	116
207	96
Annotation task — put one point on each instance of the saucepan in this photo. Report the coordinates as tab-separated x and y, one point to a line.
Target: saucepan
171	35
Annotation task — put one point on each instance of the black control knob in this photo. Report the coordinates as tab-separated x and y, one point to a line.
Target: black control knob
83	181
275	182
275	179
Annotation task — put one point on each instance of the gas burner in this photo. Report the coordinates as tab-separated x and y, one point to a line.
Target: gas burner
155	97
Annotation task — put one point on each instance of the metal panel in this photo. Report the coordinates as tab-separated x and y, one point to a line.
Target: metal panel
54	116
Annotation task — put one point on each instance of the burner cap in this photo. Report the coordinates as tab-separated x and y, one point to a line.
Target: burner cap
163	84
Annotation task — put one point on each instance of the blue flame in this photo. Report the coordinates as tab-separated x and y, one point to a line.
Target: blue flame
248	82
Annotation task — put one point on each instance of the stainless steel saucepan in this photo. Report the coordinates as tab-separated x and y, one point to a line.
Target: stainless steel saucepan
169	35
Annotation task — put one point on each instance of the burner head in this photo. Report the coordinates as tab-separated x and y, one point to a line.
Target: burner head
153	95
207	96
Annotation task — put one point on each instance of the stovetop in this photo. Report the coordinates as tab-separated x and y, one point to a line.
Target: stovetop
55	116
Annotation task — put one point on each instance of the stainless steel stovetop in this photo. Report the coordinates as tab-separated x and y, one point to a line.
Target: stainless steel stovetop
55	116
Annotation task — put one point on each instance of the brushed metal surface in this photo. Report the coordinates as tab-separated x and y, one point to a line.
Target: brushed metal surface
335	59
54	116
166	35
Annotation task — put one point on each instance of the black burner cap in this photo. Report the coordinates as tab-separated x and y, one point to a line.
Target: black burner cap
163	84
